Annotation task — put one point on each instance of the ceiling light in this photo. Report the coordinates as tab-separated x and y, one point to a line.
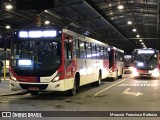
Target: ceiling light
47	22
140	40
86	32
112	18
134	30
9	6
129	22
120	7
137	36
45	10
8	26
142	43
110	5
110	13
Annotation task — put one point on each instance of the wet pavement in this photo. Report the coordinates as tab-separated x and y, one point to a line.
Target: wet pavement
127	94
4	88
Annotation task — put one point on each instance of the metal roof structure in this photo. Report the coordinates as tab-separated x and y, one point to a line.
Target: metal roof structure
99	19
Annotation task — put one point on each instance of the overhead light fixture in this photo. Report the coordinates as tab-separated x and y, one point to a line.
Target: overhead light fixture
111	13
9	6
87	33
45	10
110	5
129	22
140	40
142	43
134	30
137	35
120	7
47	22
8	26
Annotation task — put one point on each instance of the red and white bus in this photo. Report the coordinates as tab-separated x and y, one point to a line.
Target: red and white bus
116	63
145	62
56	60
127	64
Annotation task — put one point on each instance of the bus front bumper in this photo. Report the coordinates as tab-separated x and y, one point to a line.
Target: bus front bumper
51	86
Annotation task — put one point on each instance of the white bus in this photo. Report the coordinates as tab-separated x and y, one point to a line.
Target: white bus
58	60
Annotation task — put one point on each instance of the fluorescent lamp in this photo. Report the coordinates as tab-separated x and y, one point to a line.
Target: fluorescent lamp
129	22
120	7
137	36
8	26
47	22
9	6
134	30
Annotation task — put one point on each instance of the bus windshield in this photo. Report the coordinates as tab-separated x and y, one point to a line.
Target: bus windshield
127	60
145	61
35	58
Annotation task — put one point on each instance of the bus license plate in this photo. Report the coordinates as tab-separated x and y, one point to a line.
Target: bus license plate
33	88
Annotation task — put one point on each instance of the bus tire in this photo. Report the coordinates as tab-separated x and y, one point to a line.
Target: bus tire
121	74
33	93
73	91
98	83
75	88
116	77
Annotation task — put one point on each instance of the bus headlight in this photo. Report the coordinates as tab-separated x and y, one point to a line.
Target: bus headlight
134	71
57	77
155	72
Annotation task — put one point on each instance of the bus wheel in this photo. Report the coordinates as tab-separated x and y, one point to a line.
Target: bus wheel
116	77
98	83
73	91
33	92
121	74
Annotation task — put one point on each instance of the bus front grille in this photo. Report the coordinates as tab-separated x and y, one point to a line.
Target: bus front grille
30	86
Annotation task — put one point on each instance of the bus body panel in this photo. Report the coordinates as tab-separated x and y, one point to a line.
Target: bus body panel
116	62
89	70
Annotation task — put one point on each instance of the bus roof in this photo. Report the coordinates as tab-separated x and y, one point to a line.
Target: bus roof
146	49
84	38
122	51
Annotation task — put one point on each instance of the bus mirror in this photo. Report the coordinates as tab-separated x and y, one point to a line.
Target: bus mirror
69	46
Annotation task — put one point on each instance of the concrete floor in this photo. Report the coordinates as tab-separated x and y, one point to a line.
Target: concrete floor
125	94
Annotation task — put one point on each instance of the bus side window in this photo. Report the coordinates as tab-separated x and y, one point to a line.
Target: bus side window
106	56
82	50
69	48
76	49
93	51
101	52
88	49
98	51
